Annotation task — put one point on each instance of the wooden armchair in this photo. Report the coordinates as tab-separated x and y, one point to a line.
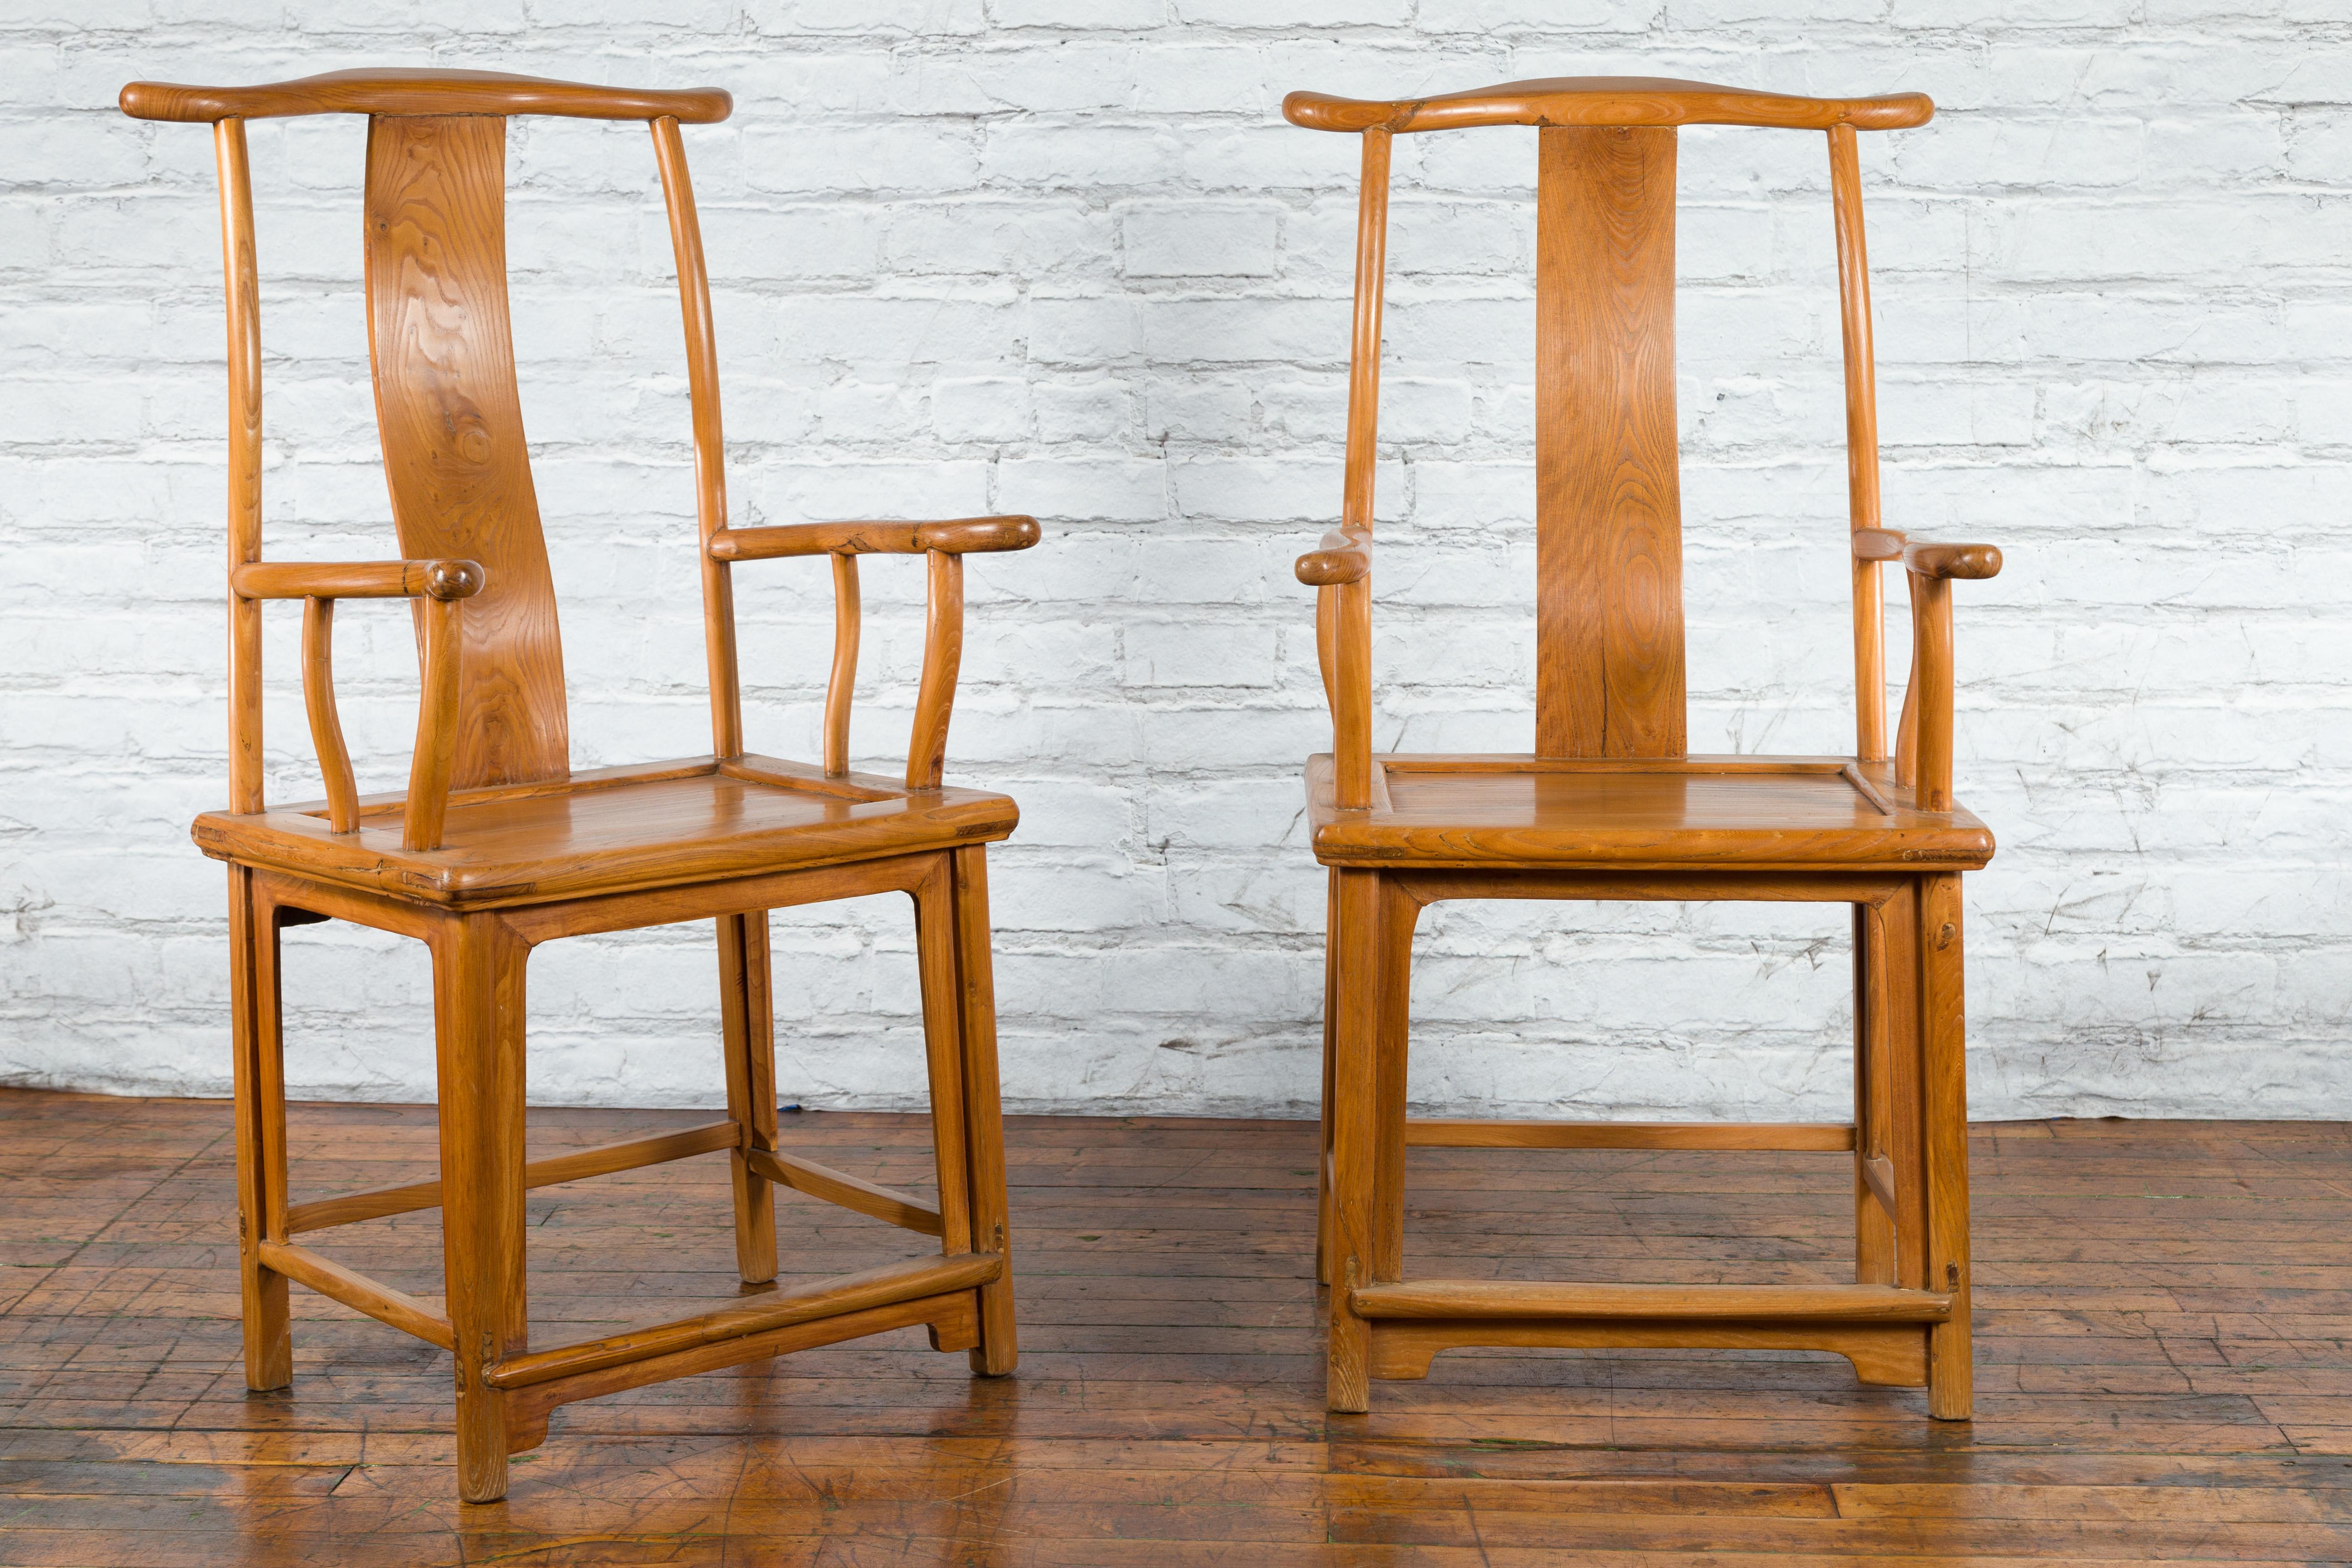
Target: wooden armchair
1610	806
498	845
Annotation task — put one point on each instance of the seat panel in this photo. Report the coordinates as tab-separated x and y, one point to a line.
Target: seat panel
632	829
1719	812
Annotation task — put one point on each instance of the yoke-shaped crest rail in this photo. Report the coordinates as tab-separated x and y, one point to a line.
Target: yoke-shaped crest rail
1606	101
422	91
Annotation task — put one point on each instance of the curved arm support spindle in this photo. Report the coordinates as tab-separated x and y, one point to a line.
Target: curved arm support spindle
943	546
1923	747
438	586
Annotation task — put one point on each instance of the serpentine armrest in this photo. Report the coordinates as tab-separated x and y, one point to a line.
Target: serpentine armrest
961	536
944	545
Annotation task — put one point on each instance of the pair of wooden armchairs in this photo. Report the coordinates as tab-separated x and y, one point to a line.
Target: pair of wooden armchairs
498	845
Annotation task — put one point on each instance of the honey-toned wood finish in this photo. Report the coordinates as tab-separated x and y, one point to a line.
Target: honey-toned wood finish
1610	806
1637	100
961	536
244	281
841	682
927	748
498	845
1446	1133
626	1155
440	711
709	437
1517	1299
746	1028
1861	443
357	580
1667	818
1340	570
711	823
1609	552
883	1287
326	724
409	90
453	454
886	1203
2160	1374
358	1292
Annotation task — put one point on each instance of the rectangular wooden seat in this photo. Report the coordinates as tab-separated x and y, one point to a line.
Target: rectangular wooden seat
647	827
1721	812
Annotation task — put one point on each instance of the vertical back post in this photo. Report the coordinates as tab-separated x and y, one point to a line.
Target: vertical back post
1364	347
245	792
709	443
1861	446
1609	549
1343	614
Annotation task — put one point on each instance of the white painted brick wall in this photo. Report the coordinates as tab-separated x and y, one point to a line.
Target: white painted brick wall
1062	257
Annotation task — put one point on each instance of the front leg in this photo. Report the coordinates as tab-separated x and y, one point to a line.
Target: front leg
748	1024
477	1015
1874	1225
1945	1094
984	1119
1355	1133
255	1015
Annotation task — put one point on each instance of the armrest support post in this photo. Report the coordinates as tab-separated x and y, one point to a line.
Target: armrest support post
439	588
1923	750
1327	612
436	755
1351	709
1870	660
1907	732
842	686
1871	548
326	726
927	747
1341	572
1931	610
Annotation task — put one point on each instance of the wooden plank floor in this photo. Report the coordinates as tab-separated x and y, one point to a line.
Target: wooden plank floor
2162	1312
